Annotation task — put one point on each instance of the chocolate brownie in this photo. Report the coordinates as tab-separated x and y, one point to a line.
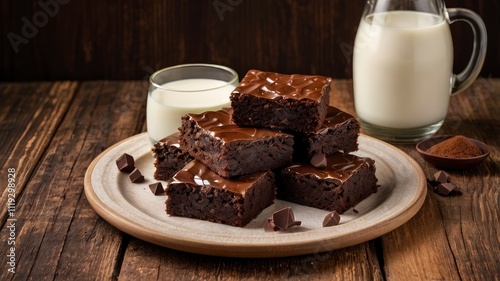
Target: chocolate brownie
197	192
229	150
169	157
346	181
273	100
339	132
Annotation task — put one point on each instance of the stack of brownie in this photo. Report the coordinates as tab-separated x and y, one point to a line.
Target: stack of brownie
279	138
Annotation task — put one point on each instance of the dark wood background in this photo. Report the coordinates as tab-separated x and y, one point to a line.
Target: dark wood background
121	40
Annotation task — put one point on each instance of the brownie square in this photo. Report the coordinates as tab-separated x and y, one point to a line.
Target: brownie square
197	192
346	181
230	150
339	132
273	100
169	157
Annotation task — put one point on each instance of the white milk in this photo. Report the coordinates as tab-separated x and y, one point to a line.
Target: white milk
402	69
166	107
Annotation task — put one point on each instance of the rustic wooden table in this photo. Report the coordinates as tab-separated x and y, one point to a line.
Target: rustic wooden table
51	131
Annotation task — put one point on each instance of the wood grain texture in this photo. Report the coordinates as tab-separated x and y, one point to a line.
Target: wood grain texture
30	113
143	260
454	237
58	233
130	40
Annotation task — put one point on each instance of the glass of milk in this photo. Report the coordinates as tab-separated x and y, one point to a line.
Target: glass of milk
187	88
403	66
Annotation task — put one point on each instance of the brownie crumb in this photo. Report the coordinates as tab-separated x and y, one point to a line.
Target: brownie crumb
169	157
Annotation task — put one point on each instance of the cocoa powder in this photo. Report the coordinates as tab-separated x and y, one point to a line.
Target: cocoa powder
455	147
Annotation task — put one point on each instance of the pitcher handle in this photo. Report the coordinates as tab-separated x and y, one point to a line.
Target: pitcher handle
465	78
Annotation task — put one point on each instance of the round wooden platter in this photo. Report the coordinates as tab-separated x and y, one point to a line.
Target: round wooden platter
135	210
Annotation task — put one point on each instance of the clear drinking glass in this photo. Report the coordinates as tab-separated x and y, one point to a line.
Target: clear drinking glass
187	88
402	66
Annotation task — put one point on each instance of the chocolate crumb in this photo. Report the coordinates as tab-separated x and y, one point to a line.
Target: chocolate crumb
281	220
331	219
442	184
125	163
319	161
136	176
354	210
157	188
444	188
441	177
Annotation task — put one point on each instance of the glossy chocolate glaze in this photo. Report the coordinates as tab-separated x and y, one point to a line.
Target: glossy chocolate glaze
172	140
219	124
334	117
339	166
198	174
272	85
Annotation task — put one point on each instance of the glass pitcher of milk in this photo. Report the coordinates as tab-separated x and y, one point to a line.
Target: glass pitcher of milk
403	66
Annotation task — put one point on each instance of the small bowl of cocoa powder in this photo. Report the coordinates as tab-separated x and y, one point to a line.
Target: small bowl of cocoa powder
453	152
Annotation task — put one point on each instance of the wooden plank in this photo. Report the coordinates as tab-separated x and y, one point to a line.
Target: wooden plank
418	250
453	237
470	218
29	116
146	261
286	36
59	235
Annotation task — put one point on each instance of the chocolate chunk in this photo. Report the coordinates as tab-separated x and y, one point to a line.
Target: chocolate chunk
331	219
125	163
281	220
441	177
444	188
157	188
136	176
269	225
319	161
